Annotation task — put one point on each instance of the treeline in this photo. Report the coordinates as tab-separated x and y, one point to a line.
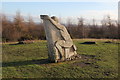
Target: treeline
19	30
108	29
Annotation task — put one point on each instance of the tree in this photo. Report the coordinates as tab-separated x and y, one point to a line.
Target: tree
81	28
19	28
6	29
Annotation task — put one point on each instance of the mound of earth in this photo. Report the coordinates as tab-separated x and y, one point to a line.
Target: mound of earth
25	42
108	42
89	42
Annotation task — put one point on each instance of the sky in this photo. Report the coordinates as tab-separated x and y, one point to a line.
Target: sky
60	0
64	10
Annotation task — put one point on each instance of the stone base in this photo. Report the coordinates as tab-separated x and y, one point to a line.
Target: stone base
74	57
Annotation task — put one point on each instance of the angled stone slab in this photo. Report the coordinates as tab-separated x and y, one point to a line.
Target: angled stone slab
59	42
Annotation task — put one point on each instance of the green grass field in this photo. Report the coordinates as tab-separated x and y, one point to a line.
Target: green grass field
30	61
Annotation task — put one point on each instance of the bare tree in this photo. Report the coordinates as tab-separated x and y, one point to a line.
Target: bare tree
19	29
81	27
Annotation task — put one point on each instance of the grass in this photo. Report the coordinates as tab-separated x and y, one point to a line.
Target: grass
30	61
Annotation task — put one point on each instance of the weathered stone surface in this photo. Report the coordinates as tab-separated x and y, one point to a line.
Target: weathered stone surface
60	44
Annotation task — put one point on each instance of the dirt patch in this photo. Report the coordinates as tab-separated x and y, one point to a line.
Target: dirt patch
81	64
87	60
108	42
23	42
87	56
89	42
111	42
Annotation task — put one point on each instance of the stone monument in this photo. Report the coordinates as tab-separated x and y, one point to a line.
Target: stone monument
59	43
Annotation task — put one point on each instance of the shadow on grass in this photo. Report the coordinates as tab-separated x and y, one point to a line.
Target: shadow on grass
27	62
39	61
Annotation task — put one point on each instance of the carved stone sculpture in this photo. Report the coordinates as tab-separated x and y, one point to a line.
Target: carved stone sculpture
60	44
